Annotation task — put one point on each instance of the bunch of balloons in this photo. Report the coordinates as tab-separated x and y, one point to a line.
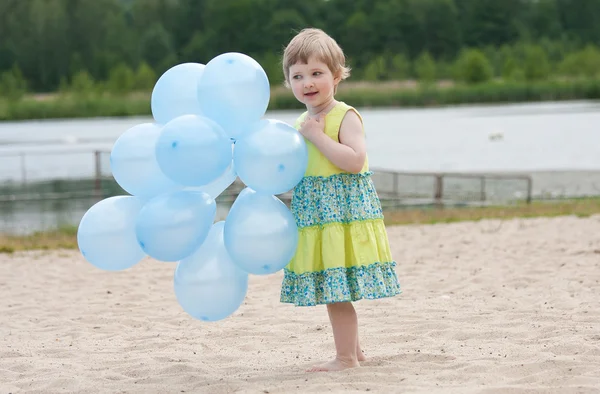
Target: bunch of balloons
208	129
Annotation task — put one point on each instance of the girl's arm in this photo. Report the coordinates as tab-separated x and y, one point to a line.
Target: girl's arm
349	154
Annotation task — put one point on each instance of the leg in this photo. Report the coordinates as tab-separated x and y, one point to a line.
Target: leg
345	335
360	355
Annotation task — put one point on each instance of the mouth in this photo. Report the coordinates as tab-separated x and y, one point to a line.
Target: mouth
311	94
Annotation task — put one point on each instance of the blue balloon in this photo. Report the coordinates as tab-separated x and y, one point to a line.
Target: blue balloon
175	93
208	285
134	166
271	159
193	150
106	233
172	226
261	235
234	91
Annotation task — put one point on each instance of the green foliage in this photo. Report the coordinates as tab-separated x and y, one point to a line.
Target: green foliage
377	95
54	42
194	49
376	70
473	67
510	68
157	49
145	78
425	68
584	63
121	79
536	66
400	67
82	83
12	84
271	63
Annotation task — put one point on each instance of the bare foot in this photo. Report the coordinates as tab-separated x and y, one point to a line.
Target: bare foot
334	365
360	356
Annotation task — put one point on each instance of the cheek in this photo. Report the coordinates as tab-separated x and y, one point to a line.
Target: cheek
297	87
326	83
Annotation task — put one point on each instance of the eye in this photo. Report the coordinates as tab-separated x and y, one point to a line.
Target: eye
317	73
296	77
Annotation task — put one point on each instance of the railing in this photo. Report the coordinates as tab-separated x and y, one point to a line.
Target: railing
441	193
395	188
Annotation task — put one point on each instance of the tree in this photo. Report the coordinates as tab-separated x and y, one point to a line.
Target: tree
12	84
543	20
536	65
122	79
376	70
145	77
580	19
82	83
511	69
284	24
400	67
156	46
584	63
442	31
356	37
52	40
37	36
389	35
93	27
271	63
425	68
489	21
473	67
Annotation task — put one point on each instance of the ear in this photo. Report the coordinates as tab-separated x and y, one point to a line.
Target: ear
338	78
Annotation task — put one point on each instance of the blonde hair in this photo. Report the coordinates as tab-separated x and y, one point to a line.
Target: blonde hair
315	42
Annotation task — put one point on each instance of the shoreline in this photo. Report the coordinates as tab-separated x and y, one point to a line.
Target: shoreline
365	95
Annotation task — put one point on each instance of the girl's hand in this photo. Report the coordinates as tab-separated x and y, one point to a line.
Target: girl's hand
313	127
349	154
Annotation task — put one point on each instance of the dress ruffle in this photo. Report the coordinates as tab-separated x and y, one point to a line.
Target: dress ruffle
337	245
342	284
340	198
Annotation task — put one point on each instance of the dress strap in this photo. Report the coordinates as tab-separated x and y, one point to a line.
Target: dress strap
299	120
336	116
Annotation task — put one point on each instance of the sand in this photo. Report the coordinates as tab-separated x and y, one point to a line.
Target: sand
488	307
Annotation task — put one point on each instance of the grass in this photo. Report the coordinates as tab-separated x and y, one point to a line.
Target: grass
360	94
66	237
578	207
60	238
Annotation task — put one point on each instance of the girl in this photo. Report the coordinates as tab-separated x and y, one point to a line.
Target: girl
343	253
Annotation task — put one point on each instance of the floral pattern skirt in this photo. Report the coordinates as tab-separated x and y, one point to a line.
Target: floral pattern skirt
343	251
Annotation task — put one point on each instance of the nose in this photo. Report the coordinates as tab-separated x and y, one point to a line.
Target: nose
308	83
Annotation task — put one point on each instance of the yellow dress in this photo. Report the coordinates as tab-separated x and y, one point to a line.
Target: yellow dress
343	252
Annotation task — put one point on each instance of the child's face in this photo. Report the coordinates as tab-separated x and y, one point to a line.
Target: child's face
313	83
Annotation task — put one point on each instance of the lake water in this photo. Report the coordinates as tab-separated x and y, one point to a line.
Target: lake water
557	143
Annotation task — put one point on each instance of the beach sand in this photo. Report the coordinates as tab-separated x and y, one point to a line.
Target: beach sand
487	307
